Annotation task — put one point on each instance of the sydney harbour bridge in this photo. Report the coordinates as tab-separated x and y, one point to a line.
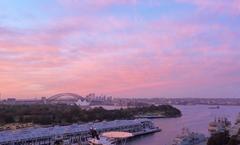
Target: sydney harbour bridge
65	98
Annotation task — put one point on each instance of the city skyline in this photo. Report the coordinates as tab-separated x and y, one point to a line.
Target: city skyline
123	48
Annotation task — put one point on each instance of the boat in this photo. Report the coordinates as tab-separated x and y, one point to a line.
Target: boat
220	124
189	138
101	141
214	107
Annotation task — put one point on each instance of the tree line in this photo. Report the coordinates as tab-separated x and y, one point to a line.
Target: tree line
223	138
67	114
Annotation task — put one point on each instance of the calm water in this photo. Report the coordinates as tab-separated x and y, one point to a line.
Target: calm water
196	118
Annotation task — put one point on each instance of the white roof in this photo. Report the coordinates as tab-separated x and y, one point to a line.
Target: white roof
82	103
28	133
117	134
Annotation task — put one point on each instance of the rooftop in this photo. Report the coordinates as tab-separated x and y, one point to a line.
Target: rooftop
28	133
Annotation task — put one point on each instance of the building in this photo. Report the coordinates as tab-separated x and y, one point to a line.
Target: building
73	133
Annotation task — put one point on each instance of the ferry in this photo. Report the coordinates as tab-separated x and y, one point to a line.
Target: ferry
189	138
214	107
74	134
219	125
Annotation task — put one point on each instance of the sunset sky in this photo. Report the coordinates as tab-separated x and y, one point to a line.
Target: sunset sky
124	48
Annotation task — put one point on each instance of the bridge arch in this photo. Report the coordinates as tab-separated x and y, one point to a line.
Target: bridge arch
60	95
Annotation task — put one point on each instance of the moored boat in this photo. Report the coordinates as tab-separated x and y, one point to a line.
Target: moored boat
219	125
189	138
214	107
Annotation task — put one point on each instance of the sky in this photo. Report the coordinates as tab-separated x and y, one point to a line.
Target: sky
123	48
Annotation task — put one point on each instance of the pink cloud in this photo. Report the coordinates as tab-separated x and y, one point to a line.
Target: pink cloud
218	7
90	54
94	5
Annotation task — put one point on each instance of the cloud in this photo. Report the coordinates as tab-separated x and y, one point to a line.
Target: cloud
216	6
94	5
118	55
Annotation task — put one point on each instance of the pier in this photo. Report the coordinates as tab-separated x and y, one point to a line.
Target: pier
73	133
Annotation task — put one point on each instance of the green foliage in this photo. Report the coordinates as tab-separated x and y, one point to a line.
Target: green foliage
66	114
219	139
234	140
166	110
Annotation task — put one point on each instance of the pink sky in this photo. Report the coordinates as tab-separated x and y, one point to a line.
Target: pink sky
126	48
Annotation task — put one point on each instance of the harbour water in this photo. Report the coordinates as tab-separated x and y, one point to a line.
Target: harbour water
196	118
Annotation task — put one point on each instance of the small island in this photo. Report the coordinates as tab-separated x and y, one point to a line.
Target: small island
161	111
67	114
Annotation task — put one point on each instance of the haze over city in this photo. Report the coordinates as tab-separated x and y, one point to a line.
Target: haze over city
124	48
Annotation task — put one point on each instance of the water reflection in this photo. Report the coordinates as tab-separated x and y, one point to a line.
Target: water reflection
196	118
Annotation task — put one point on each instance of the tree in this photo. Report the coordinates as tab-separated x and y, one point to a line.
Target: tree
219	139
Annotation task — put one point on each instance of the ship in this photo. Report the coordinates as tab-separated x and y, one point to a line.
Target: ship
75	133
220	124
189	138
214	107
